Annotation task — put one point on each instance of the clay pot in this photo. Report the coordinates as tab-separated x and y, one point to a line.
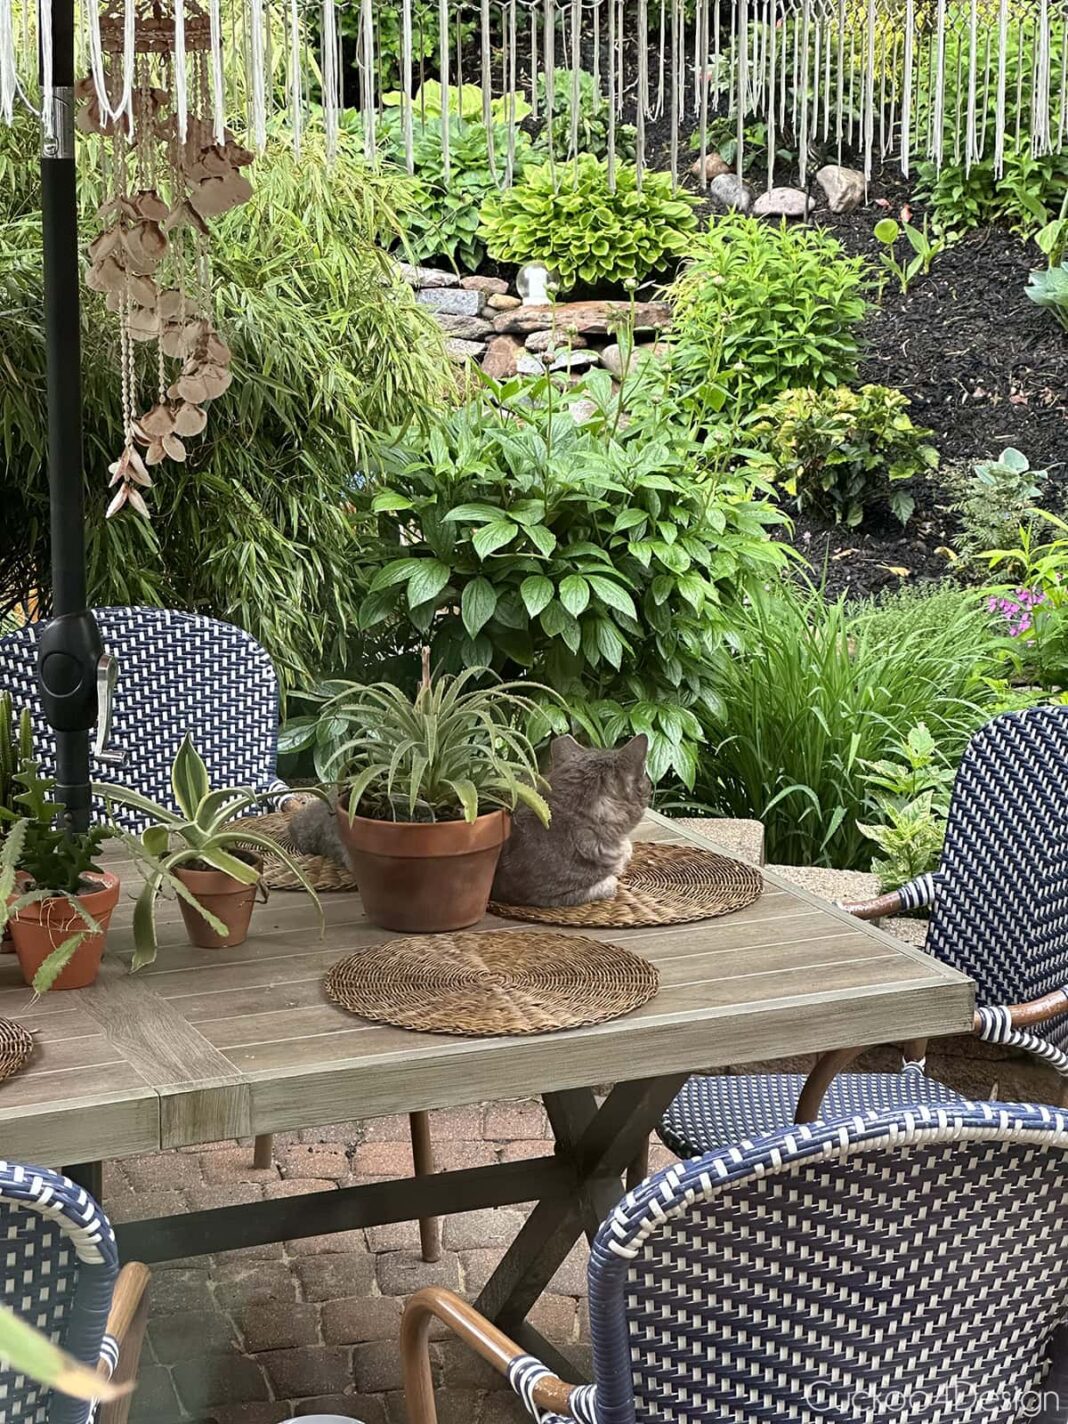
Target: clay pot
225	897
40	928
424	877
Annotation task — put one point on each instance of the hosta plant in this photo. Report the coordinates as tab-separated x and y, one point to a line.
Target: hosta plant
453	752
567	216
202	833
838	450
582	127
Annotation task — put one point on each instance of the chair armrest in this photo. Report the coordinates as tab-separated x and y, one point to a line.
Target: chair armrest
910	896
1013	1016
126	1330
547	1393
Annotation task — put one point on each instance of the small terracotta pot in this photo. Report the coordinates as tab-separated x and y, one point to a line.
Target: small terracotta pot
424	877
40	928
224	897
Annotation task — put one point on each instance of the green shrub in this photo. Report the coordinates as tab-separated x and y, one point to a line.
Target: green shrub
816	690
782	306
911	790
565	216
441	219
839	450
607	562
1050	289
329	349
1031	606
592	125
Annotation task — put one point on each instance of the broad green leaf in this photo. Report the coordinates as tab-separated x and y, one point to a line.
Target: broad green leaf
427	580
611	594
536	592
574	594
492	537
477	605
189	778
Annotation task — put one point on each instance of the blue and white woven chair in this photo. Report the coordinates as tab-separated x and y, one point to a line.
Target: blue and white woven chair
903	1265
178	673
59	1272
999	913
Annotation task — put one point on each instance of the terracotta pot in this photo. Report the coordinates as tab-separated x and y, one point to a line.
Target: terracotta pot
424	877
225	897
40	928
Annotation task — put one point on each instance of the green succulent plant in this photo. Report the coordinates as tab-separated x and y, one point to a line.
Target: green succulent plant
202	831
16	747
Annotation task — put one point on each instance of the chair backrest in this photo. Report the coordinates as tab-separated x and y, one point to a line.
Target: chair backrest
57	1271
1001	913
178	673
829	1271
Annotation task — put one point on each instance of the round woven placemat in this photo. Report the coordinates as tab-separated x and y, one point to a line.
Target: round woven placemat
16	1045
323	872
662	885
489	982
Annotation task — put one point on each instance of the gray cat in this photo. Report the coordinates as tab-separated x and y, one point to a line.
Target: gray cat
597	799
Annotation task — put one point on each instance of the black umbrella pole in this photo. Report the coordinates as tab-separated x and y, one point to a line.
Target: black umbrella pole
69	647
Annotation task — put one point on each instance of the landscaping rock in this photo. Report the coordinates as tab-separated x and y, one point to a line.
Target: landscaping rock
471	328
458	349
783	203
591	318
713	166
730	194
501	356
574	360
553	341
612	356
499	302
528	364
491	286
453	301
426	276
845	187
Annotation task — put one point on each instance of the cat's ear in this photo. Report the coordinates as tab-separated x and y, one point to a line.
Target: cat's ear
565	748
635	751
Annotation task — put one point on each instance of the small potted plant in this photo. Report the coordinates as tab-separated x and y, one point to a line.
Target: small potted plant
57	901
426	790
213	864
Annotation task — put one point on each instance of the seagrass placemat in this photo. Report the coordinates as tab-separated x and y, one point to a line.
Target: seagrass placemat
324	872
490	982
16	1045
662	885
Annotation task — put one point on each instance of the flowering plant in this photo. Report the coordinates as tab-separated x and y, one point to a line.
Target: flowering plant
1034	607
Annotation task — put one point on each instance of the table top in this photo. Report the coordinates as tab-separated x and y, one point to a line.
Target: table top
206	1045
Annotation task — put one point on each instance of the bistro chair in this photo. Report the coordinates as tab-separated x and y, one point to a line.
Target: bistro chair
179	673
906	1264
999	914
59	1271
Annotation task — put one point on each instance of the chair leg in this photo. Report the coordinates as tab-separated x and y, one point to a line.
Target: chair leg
263	1152
423	1162
639	1168
127	1321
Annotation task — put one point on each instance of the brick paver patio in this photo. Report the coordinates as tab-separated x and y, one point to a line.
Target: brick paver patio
256	1336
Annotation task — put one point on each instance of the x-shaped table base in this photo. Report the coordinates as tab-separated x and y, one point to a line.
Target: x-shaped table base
574	1190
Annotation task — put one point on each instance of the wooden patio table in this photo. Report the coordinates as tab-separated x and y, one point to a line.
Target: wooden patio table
207	1045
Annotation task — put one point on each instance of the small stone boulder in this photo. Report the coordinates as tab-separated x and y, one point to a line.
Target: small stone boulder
501	356
783	203
426	276
500	302
554	340
845	187
612	356
458	349
452	301
528	364
472	328
713	167
573	360
730	194
591	318
491	286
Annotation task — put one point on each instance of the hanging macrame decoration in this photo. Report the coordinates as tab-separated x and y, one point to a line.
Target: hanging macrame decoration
169	168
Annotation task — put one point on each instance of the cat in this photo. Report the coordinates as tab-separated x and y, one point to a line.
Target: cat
597	799
313	831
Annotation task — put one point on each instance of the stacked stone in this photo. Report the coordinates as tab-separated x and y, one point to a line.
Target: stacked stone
464	306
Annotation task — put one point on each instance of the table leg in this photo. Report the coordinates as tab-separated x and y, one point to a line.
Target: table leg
89	1175
599	1142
